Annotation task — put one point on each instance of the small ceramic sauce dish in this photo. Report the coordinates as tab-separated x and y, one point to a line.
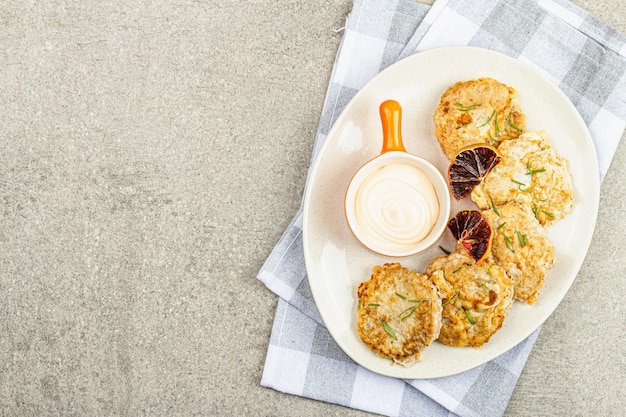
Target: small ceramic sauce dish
397	204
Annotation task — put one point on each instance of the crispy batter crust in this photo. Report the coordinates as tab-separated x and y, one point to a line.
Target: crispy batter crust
522	247
477	111
407	303
477	298
530	172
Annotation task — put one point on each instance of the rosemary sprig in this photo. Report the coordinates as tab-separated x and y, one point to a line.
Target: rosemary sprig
484	285
510	123
534	193
401	296
500	226
409	311
489	270
519	129
373	305
430	307
490	118
536	211
469	317
449	300
530	171
493	206
461	107
444	250
520	186
389	330
508	242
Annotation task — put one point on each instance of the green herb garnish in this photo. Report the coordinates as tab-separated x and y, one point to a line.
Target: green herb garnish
520	186
492	138
484	285
493	206
537	198
489	270
508	242
500	226
530	171
449	300
510	123
470	318
490	118
427	310
547	213
444	250
522	238
407	313
389	330
373	305
461	107
401	296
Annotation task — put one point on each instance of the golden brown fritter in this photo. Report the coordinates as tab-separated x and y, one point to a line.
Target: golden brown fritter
530	172
522	247
477	111
477	298
399	313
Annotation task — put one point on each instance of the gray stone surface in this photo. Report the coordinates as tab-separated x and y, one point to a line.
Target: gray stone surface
151	154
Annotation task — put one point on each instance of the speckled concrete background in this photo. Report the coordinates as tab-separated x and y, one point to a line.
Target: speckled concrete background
151	154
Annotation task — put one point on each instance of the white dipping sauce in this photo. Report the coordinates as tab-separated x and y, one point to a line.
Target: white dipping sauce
396	207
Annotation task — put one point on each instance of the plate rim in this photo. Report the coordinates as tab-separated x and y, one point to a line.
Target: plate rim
408	61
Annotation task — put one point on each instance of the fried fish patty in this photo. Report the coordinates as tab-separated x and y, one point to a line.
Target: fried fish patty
530	172
522	247
477	298
399	313
477	111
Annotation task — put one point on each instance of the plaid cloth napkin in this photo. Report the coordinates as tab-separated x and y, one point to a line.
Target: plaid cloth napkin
581	55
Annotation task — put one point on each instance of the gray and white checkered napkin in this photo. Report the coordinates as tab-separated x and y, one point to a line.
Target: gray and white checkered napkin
580	54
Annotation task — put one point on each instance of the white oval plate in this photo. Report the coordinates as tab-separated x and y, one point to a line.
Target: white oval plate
336	263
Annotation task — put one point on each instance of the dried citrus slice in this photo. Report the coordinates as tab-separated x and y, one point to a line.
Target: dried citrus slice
473	231
469	167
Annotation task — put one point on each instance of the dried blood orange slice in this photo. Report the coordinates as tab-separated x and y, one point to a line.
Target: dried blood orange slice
473	231
469	167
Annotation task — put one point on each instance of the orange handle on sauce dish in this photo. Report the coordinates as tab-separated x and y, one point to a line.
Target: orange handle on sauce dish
391	119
